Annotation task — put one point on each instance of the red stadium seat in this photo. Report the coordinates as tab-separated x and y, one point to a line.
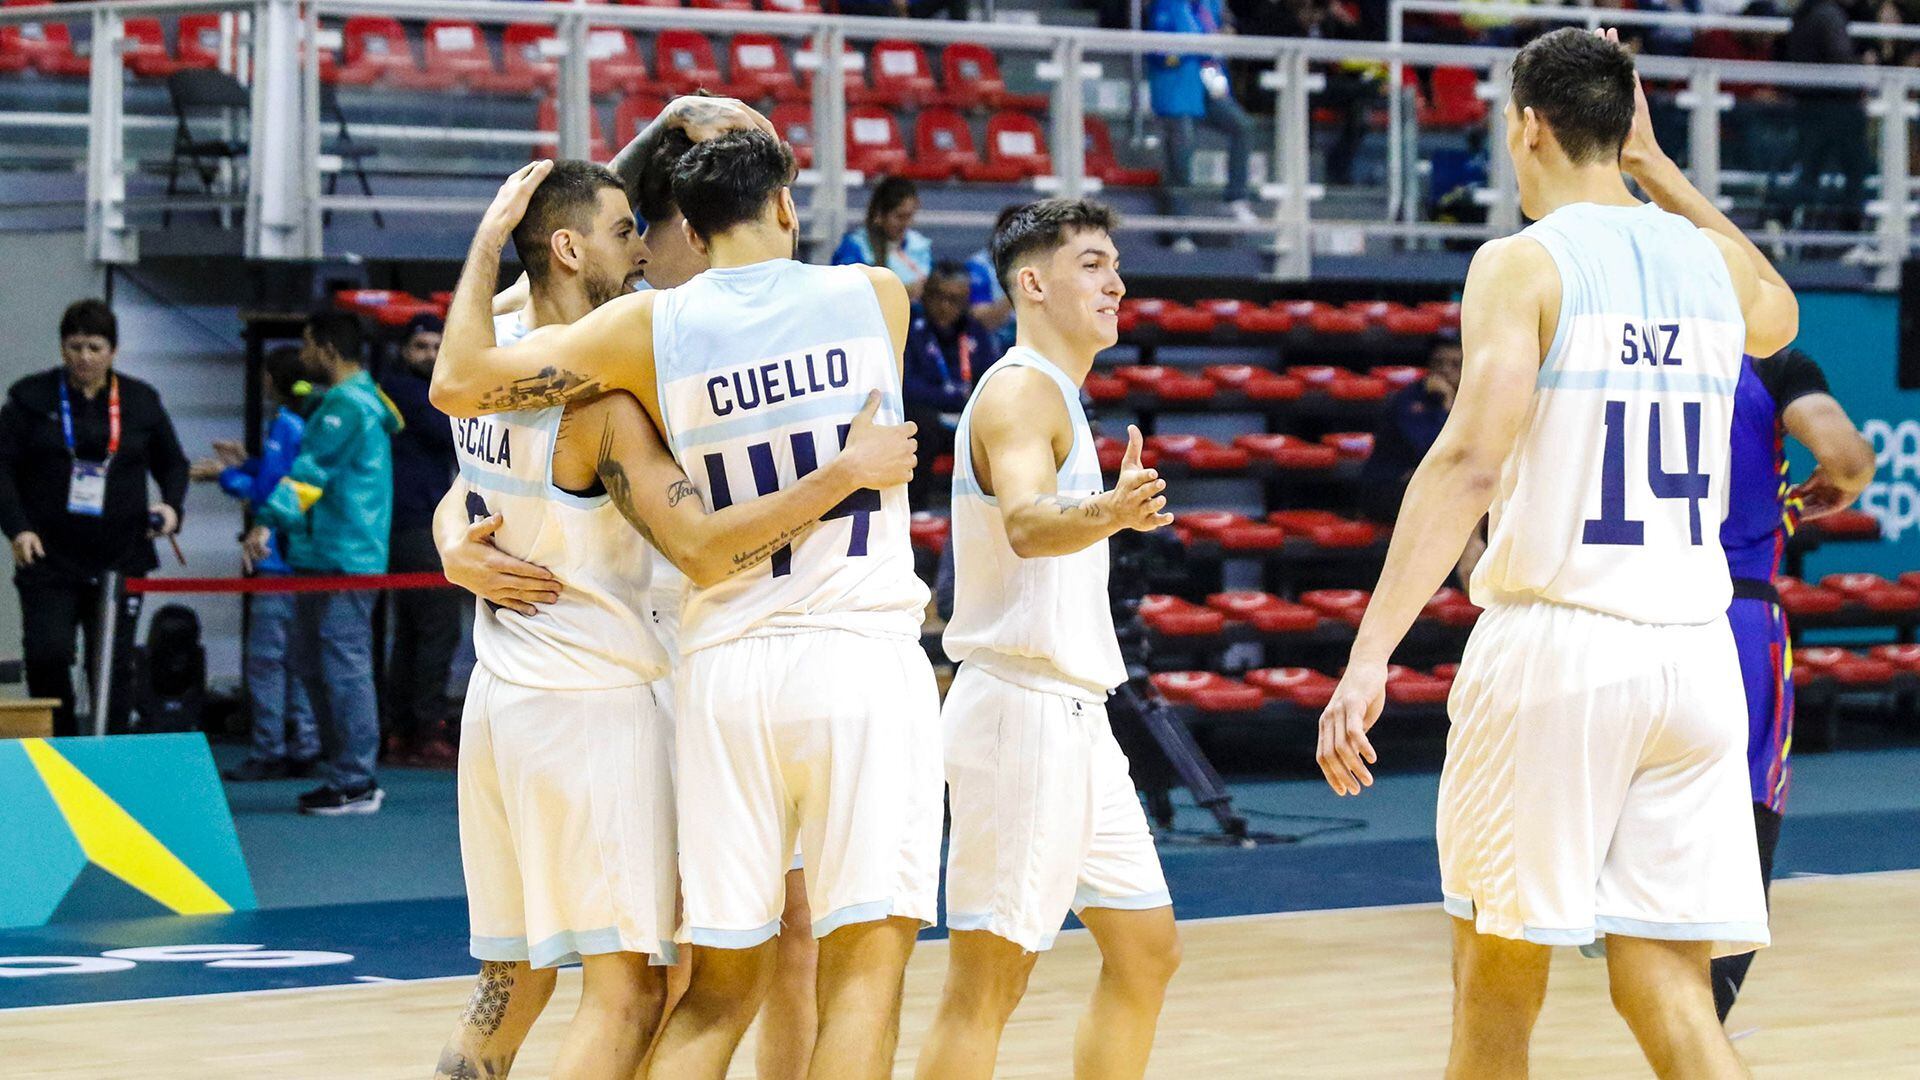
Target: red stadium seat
1446	671
1102	163
197	41
525	65
1242	604
1346	605
636	111
1105	388
792	7
1110	451
1861	671
1345	534
971	75
548	123
943	464
761	69
794	122
1418	689
873	141
942	146
1210	522
1811	600
1399	375
1270	387
1017	139
1231	376
683	62
457	53
1337	321
146	51
1351	445
1414	323
1456	100
929	531
1189	620
45	46
897	74
1282	682
388	307
1848	524
1302	520
1180	319
615	63
654	3
1232	696
722	5
1288	452
376	50
1358	388
1143	376
1316	376
1253	536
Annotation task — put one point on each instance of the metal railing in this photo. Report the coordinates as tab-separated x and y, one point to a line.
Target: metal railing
284	207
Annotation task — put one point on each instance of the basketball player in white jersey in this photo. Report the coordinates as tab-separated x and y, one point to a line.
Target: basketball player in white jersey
1045	816
1595	782
566	790
806	705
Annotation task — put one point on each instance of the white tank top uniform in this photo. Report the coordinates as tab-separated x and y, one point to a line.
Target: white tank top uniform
1595	778
1045	816
806	706
567	829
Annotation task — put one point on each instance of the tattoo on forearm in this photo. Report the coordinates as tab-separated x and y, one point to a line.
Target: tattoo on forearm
553	386
488	1006
619	486
743	560
456	1064
1068	504
679	491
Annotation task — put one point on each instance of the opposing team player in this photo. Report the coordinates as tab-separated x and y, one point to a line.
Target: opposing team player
567	821
805	703
1045	816
1594	782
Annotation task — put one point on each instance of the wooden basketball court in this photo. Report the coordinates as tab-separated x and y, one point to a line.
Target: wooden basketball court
1316	994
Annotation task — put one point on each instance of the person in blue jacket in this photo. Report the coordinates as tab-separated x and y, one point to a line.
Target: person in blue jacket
1191	88
285	740
947	350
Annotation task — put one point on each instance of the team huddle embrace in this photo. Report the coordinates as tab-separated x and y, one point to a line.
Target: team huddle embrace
702	723
704	754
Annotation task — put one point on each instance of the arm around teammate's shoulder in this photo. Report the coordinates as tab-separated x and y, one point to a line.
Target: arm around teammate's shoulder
611	348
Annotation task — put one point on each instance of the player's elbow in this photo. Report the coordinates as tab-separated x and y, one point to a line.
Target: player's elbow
1780	326
1852	464
1026	540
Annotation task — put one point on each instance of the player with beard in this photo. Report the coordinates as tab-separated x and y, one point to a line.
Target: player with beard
566	797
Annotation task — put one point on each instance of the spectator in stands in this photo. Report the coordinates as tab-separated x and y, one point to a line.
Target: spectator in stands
1191	88
908	9
947	349
1830	123
334	508
285	739
1887	52
888	238
77	445
1407	428
426	622
989	301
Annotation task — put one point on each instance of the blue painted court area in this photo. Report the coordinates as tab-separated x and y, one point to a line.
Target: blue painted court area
366	899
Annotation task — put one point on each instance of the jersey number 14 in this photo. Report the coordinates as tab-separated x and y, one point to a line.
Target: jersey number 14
1613	526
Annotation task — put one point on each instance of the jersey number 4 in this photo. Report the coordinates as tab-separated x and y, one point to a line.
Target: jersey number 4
766	480
1613	526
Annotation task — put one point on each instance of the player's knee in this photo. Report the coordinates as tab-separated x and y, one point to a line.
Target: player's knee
729	984
990	991
1148	961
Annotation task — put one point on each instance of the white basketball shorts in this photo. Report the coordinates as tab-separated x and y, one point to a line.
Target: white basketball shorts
1045	816
1596	782
828	735
566	822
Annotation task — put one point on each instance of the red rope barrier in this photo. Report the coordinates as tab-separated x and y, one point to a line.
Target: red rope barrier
288	583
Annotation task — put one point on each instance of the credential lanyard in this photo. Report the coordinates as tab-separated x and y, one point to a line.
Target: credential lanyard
113	417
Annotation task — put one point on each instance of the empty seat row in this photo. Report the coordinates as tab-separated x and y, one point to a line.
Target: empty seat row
1229	532
49	47
1283	316
1873	669
1839	596
1212	692
1269	614
1168	385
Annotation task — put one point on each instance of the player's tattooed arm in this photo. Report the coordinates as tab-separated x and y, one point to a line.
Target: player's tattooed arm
699	116
551	386
1090	508
643	478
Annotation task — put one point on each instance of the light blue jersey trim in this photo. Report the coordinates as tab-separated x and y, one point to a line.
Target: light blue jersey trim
481	480
733	939
1457	906
503	950
986	923
1590	939
568	946
871	911
1084	897
1637	378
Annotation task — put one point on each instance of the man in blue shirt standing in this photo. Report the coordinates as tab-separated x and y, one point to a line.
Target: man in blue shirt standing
1191	88
947	349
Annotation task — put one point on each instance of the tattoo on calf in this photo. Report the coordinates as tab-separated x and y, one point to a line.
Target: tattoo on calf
553	386
488	1006
454	1064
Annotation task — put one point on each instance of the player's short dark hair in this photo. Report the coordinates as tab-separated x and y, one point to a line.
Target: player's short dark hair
727	181
1040	228
1582	85
331	328
568	198
652	188
91	317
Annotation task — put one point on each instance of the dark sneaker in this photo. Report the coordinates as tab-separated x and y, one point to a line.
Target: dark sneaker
256	769
331	802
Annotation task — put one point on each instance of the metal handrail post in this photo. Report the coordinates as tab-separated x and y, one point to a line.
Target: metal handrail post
1896	110
1704	103
278	152
1293	257
574	89
1396	116
830	135
1069	123
109	239
1503	209
106	633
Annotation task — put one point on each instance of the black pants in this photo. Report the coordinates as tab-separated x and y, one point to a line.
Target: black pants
1730	971
425	631
932	439
52	607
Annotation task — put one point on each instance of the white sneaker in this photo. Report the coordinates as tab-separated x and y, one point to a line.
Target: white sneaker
1243	211
1184	246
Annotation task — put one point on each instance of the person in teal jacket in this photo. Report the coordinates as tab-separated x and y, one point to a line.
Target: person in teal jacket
332	511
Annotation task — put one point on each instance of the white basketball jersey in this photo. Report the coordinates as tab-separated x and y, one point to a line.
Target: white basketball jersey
761	371
1045	623
598	634
1613	496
